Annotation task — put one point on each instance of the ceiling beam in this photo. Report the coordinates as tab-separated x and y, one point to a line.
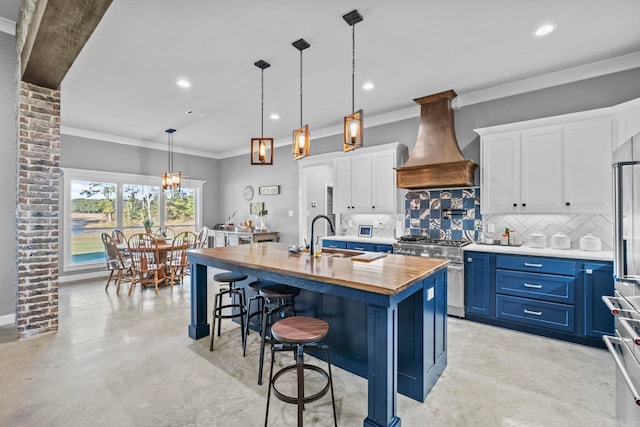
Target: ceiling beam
55	35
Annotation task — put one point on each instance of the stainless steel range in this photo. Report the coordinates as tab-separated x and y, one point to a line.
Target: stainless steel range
447	249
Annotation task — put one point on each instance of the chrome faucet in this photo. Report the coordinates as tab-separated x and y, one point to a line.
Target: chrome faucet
313	222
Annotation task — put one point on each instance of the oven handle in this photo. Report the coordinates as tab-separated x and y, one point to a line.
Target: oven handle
614	305
626	325
609	341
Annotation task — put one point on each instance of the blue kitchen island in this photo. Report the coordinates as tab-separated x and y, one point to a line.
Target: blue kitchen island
387	317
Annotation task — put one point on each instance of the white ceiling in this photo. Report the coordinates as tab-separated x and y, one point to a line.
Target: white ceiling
123	82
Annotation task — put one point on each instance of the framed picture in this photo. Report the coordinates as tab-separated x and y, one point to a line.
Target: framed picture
365	230
256	208
269	190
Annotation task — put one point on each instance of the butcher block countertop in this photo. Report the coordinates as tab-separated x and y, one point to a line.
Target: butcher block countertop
388	275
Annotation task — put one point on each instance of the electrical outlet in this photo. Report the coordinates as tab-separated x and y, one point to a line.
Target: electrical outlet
491	228
290	213
378	224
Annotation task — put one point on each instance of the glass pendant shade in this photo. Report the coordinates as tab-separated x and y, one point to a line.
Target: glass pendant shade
261	151
353	131
301	142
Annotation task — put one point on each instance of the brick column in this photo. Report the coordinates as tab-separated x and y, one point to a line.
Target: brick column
38	180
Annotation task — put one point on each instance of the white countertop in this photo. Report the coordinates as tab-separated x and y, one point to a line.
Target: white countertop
525	250
374	239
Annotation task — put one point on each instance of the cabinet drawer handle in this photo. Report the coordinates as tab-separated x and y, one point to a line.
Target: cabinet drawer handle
333	246
537	313
529	285
358	249
528	264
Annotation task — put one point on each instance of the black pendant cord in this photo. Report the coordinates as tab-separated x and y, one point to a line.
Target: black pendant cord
301	88
353	68
262	105
168	152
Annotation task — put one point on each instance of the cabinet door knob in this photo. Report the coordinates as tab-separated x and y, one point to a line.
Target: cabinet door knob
515	205
567	203
373	207
524	205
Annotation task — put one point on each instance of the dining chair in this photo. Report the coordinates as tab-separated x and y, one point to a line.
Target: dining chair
116	263
177	263
201	240
166	232
143	249
118	236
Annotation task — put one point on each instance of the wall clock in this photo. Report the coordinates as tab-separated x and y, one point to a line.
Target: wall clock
248	193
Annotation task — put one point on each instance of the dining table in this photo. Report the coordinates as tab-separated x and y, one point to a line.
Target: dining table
164	247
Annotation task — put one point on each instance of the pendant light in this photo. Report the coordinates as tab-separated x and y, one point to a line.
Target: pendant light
171	180
262	148
301	136
353	122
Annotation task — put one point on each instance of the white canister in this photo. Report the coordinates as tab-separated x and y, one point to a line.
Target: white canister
560	241
590	243
537	240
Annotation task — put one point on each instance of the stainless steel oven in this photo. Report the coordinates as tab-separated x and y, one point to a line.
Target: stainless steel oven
447	249
625	304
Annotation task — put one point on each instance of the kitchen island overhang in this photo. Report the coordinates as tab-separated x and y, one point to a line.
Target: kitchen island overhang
396	299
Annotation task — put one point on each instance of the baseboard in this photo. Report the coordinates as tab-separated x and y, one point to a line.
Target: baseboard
83	276
8	319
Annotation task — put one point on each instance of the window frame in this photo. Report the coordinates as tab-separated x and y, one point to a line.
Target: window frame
69	174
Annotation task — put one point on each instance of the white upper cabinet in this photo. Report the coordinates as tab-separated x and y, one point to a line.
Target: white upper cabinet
627	121
555	165
500	173
587	166
365	180
541	170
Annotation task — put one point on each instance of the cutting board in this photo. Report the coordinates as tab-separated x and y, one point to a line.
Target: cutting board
369	256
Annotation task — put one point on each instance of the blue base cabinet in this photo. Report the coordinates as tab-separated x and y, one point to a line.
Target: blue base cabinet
357	246
554	297
598	281
478	283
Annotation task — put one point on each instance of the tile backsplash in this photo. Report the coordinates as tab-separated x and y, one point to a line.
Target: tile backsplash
349	224
575	226
450	214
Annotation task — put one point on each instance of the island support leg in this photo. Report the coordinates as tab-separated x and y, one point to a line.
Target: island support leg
382	354
198	327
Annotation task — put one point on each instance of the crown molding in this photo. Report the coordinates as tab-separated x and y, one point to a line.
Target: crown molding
7	26
99	136
570	75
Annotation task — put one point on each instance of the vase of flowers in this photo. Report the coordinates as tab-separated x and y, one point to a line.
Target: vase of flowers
147	223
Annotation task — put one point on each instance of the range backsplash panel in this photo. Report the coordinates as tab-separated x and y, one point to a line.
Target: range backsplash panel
449	214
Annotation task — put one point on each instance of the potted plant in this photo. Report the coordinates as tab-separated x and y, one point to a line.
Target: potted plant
147	223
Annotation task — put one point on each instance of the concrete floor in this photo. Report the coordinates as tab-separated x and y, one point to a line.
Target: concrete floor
127	361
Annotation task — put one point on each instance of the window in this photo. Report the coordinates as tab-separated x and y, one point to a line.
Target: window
93	211
98	202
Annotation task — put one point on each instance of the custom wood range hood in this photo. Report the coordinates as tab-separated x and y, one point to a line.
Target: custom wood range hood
436	160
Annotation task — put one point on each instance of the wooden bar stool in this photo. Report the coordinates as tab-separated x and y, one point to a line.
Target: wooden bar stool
230	279
274	299
295	334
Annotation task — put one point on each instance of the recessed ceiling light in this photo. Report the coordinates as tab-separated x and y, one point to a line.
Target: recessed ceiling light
544	30
183	83
274	116
368	86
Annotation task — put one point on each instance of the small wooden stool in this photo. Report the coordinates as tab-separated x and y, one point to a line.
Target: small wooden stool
230	278
295	334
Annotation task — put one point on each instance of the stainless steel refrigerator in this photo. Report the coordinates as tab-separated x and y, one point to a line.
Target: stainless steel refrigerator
625	304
